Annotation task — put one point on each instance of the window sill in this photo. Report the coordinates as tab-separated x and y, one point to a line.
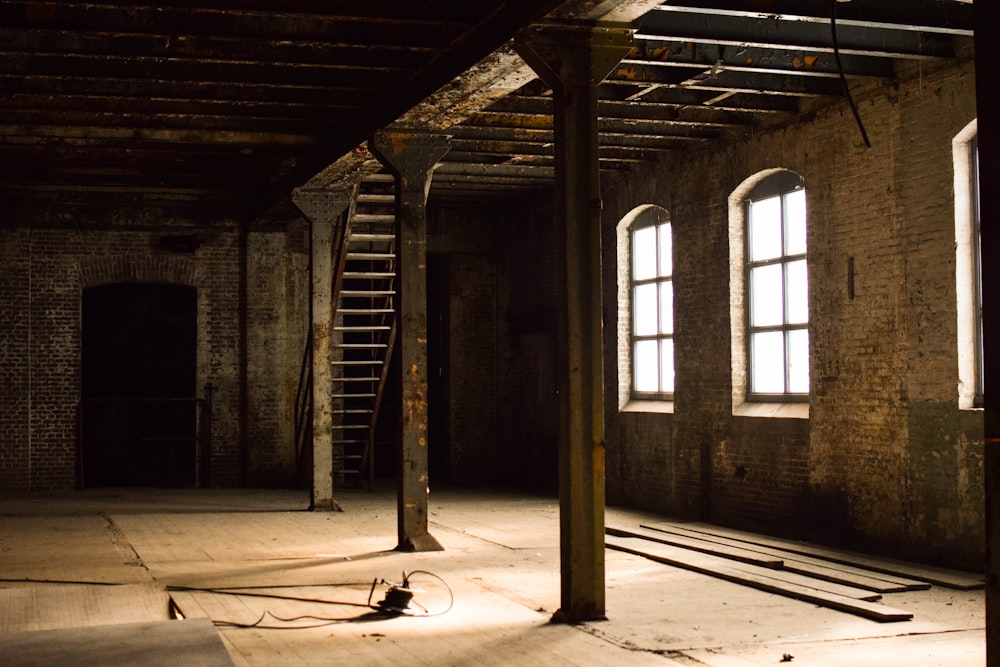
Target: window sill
661	407
777	410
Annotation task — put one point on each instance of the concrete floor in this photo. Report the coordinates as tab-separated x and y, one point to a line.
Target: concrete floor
76	565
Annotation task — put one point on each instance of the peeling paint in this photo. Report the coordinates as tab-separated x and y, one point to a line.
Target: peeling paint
415	401
627	73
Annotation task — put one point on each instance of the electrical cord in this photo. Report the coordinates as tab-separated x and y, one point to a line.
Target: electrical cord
843	77
247	592
396	603
259	623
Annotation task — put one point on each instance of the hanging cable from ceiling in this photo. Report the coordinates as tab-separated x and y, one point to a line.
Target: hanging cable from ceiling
840	70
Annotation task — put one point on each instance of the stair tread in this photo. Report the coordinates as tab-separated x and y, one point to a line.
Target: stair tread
374	217
371	236
376	197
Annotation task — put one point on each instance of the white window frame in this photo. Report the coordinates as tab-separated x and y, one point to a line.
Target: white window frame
629	400
968	284
744	402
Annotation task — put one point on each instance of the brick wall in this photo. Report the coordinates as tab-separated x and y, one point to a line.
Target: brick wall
472	368
278	317
50	255
885	458
15	376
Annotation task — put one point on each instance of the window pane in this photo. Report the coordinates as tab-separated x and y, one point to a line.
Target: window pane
797	292
765	296
765	229
667	307
644	305
645	368
666	255
667	365
795	222
798	361
644	253
767	350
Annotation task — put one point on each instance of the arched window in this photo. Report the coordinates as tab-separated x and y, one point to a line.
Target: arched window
776	285
646	294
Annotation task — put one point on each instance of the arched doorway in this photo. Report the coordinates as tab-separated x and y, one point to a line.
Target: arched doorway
138	414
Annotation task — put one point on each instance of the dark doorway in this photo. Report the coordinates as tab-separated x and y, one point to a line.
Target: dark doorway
438	407
138	414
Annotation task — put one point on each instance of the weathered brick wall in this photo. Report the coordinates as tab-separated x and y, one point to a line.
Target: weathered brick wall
15	376
54	359
472	368
51	255
278	318
943	464
885	458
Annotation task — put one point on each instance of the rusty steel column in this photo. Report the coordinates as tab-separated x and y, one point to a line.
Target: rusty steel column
322	208
411	157
572	60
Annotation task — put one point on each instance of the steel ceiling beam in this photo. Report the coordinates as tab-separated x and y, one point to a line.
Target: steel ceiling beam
483	123
757	102
166	106
937	16
659	104
195	47
349	99
241	23
673	53
375	81
632	73
780	31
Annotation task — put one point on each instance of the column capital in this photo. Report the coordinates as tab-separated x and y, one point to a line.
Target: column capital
566	54
407	153
322	206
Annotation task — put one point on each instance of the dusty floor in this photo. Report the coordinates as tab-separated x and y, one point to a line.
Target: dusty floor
78	567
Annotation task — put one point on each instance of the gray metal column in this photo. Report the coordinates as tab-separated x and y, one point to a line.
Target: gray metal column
411	157
572	60
322	208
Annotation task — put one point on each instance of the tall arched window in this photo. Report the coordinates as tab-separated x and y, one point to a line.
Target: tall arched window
777	289
646	292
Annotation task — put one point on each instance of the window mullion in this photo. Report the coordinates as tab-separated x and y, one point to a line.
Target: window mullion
774	350
785	347
659	323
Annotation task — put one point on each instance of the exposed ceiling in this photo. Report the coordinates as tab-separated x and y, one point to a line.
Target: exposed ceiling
229	104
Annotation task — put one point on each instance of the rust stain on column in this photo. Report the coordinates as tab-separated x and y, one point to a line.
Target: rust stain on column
412	157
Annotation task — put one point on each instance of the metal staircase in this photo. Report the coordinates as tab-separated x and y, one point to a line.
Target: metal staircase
364	328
